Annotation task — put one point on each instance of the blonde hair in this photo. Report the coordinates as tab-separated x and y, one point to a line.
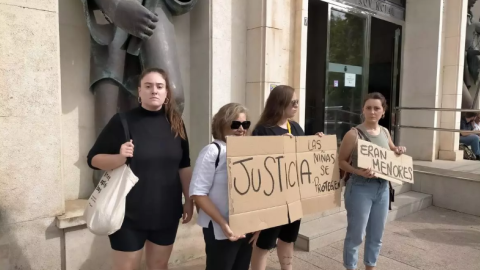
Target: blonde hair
224	117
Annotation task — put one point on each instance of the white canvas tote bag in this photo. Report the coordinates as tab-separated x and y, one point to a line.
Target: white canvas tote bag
105	210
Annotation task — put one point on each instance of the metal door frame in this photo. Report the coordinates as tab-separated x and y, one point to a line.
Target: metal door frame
366	39
367	14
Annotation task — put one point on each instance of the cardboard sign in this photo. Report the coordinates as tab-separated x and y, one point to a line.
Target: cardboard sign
385	163
318	173
263	174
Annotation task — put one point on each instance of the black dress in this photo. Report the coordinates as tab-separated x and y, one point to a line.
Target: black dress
288	233
155	202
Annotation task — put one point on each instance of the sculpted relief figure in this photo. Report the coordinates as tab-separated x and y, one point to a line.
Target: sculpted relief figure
126	37
472	61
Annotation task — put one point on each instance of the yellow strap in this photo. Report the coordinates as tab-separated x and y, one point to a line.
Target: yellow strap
288	127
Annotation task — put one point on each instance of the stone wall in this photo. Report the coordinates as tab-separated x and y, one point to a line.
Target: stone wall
31	192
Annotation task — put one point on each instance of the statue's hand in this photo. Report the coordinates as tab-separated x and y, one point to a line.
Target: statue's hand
135	19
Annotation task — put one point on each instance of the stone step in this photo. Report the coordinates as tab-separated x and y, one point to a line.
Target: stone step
323	231
399	189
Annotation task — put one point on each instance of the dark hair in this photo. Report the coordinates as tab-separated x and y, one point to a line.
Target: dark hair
378	96
173	115
278	100
471	114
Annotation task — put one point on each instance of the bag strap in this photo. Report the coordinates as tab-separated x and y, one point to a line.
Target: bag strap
218	156
362	135
126	131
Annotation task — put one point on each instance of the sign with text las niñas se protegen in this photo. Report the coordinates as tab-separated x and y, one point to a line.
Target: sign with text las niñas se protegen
385	163
277	179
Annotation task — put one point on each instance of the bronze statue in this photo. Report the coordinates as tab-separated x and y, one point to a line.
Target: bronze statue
471	70
138	34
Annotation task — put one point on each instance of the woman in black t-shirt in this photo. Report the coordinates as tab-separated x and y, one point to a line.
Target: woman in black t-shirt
281	106
160	158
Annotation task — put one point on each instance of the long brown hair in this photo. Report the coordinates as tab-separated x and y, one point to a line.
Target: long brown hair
175	119
278	100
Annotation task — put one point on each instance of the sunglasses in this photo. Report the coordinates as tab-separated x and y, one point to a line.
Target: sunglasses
237	124
294	102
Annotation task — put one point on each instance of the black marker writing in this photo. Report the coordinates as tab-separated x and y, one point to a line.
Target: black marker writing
314	145
271	175
373	152
241	162
390	169
307	172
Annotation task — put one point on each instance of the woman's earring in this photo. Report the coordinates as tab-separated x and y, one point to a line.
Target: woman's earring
383	116
139	100
166	100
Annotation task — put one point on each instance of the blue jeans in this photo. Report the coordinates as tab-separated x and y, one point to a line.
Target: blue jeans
366	202
473	141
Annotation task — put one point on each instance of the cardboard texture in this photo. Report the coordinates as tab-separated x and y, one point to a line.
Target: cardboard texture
385	163
318	173
264	173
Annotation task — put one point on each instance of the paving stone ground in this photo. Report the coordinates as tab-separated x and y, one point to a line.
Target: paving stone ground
431	239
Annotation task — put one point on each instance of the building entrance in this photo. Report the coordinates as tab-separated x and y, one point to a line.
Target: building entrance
350	53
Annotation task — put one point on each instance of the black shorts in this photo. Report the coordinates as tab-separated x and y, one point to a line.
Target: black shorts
288	233
128	239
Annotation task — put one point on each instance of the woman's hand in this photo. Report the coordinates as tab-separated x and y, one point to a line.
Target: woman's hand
319	134
187	211
126	150
229	234
254	238
367	173
400	150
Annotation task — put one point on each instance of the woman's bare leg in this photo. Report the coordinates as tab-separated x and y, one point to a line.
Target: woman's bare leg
259	258
157	256
126	260
285	254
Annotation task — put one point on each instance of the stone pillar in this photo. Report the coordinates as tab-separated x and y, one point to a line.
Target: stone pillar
300	55
274	55
263	52
31	192
200	77
421	76
452	83
229	52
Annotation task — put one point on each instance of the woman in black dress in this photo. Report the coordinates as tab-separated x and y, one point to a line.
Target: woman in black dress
281	106
160	158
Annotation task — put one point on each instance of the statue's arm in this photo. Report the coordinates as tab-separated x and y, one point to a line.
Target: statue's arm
129	15
102	34
180	7
107	6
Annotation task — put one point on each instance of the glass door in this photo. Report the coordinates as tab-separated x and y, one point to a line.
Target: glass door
347	55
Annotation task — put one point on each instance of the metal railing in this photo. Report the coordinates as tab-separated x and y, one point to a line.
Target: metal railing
397	127
336	110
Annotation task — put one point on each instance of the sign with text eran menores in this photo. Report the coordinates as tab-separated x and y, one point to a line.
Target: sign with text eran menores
274	180
385	163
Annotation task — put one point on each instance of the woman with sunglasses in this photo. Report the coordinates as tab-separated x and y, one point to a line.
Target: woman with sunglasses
209	188
280	108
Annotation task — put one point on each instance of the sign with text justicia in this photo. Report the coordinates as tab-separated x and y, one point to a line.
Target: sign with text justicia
274	180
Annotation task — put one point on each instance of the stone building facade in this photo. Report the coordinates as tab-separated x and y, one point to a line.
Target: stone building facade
229	51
